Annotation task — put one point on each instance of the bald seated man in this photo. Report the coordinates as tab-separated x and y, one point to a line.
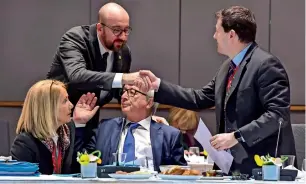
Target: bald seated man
95	58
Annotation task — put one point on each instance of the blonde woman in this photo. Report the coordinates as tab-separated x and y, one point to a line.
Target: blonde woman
187	122
45	131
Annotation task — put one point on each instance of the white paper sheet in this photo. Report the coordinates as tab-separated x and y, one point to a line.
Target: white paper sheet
223	159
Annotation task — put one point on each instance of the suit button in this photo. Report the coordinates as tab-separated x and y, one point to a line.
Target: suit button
256	141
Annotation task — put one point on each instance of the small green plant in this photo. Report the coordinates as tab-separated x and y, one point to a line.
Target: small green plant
85	158
268	160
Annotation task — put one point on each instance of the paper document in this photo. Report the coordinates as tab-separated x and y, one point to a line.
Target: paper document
223	159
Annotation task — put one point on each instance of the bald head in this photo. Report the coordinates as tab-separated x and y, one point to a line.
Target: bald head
112	12
113	26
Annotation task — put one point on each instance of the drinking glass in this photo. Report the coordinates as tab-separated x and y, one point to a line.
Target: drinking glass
289	162
194	151
120	158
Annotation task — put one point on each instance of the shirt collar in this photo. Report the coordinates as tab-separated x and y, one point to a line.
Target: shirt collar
102	49
145	123
239	57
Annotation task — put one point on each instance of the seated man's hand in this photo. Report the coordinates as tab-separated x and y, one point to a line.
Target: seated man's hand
85	109
159	119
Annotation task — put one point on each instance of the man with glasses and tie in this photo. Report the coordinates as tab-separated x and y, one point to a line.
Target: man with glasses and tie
95	58
142	139
250	92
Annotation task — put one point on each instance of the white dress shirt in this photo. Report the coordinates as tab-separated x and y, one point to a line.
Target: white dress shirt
117	82
142	139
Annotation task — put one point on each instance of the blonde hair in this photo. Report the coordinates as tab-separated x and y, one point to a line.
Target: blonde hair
40	109
184	119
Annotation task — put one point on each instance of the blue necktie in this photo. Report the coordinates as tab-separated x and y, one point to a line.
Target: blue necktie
129	143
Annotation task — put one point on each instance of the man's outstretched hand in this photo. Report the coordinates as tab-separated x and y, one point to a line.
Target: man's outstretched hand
147	81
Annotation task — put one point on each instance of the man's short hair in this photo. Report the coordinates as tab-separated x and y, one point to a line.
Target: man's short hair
239	19
150	94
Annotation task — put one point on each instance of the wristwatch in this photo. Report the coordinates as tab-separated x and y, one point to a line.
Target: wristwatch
238	136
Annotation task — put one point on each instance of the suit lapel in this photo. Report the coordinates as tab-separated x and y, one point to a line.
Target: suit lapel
235	81
240	71
220	84
221	79
117	62
115	137
94	41
157	137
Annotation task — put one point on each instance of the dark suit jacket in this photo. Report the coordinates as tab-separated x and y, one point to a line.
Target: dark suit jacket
165	140
28	148
258	98
76	63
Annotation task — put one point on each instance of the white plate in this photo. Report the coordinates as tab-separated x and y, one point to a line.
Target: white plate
130	176
213	178
179	177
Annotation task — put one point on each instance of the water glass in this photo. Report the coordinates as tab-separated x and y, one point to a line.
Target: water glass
119	158
270	172
194	151
89	170
289	161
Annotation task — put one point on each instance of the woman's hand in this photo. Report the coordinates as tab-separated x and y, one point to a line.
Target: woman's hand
159	119
85	109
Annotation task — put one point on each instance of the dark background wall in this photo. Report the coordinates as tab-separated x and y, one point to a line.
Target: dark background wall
173	38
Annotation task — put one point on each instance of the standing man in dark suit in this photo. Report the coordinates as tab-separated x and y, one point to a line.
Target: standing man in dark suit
250	92
137	135
95	58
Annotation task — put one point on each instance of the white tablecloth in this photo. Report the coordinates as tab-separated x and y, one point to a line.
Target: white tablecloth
59	180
